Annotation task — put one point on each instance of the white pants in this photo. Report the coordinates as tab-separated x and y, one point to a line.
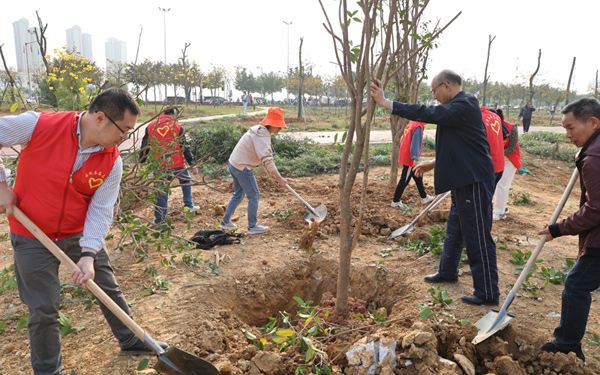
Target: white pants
501	195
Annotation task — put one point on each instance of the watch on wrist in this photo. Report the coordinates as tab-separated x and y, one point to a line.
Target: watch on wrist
88	254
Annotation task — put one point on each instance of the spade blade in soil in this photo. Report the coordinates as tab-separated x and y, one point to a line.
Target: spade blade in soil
491	323
318	213
400	231
178	362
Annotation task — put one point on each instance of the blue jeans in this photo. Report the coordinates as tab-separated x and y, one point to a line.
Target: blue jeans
244	184
470	223
583	279
162	197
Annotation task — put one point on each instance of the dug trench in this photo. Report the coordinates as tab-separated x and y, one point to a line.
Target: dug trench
238	289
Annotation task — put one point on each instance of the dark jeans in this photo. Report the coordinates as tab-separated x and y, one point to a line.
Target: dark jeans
36	271
403	183
526	123
583	279
162	197
469	223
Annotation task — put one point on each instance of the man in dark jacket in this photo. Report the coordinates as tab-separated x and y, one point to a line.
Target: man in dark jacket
464	166
525	114
581	119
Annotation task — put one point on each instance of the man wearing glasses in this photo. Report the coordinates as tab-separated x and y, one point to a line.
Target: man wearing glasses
464	166
67	183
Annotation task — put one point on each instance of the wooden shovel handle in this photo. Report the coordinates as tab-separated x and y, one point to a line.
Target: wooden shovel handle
91	285
542	240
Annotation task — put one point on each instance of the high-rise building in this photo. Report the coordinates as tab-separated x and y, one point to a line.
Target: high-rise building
74	43
86	49
27	49
116	51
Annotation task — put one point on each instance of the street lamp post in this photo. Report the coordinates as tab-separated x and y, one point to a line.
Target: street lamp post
287	73
164	10
27	60
261	81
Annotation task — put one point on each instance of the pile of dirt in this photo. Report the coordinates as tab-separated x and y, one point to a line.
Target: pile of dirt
238	288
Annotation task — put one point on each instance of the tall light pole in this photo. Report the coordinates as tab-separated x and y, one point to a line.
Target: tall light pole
261	81
27	60
287	73
164	10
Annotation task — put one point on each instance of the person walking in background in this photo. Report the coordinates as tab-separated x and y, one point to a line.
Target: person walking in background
165	140
253	149
67	183
245	102
525	114
581	119
493	128
464	166
512	162
411	145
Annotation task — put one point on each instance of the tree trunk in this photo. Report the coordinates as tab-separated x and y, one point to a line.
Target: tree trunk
568	94
533	76
300	80
485	75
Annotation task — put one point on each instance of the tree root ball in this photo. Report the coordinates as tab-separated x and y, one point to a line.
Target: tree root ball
308	236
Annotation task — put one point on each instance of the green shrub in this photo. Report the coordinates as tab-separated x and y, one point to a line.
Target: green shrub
550	145
286	146
318	160
217	140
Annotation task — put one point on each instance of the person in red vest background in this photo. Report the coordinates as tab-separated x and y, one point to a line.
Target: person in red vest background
411	145
493	127
165	140
512	162
67	183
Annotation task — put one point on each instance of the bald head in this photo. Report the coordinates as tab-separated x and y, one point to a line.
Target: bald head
445	86
449	76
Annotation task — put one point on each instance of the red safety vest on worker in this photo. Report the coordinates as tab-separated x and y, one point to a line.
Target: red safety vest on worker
404	156
515	157
166	132
493	127
47	190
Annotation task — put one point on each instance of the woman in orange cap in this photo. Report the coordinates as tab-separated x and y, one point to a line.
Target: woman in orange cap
253	149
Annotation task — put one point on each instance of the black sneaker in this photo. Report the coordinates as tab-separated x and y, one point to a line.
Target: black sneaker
552	348
436	278
139	348
472	300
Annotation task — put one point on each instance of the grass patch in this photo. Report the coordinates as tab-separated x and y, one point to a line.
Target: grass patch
551	145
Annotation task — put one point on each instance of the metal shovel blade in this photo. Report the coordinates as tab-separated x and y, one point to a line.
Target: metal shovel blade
318	213
400	231
491	323
178	362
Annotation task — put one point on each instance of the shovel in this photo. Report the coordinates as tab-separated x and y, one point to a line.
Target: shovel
407	228
494	321
318	213
172	362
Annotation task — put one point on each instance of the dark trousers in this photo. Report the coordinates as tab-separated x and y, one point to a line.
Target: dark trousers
470	223
583	279
36	271
403	183
526	123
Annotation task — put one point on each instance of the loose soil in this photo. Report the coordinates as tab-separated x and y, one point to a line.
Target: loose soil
207	314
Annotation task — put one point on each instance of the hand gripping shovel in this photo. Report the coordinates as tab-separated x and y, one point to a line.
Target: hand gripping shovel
494	321
172	362
319	212
407	228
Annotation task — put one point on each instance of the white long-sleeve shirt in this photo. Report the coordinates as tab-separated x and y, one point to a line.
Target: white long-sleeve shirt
17	130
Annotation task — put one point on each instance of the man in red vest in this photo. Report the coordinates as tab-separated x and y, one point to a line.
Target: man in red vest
167	143
67	183
493	128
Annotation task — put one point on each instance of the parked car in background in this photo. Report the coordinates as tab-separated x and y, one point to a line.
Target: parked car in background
175	100
215	100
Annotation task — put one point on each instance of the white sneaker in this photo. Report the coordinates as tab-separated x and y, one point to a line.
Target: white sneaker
497	217
427	199
398	204
229	225
258	229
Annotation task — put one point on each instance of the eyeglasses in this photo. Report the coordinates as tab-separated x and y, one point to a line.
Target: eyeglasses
438	86
123	133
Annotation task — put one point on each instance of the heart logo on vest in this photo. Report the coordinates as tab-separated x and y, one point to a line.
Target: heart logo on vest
163	130
95	182
496	126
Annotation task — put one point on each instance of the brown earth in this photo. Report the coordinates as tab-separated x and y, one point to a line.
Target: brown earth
207	314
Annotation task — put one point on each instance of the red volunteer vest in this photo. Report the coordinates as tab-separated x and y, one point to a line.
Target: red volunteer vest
493	127
405	142
515	157
165	132
47	191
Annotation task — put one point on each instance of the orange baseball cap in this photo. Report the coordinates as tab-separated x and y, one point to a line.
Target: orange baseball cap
274	118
